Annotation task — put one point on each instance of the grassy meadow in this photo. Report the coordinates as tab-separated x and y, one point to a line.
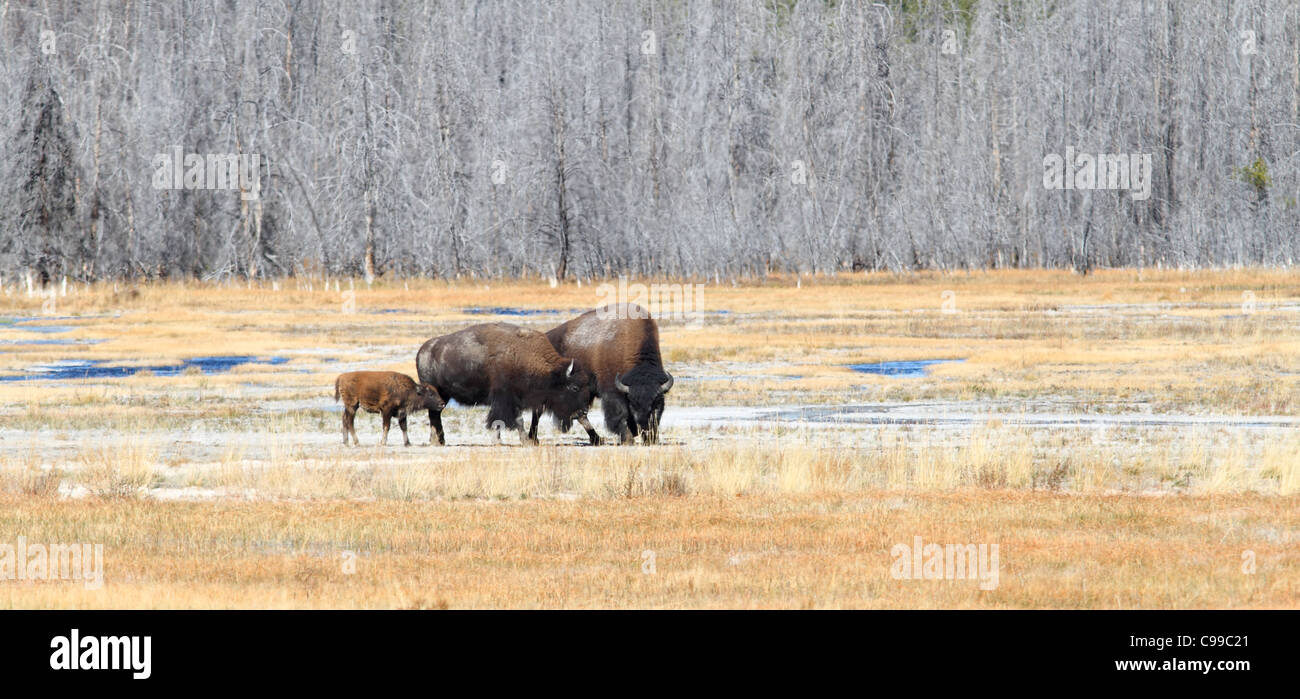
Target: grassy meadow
1127	439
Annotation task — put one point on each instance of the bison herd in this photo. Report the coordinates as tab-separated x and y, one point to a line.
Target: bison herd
611	353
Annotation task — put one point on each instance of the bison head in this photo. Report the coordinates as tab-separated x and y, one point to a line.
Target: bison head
573	390
645	395
427	398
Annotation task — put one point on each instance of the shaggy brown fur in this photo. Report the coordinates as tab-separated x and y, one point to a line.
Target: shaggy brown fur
507	368
385	392
620	343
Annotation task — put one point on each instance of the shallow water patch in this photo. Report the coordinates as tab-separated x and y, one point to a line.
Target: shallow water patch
71	369
903	370
40	325
37	324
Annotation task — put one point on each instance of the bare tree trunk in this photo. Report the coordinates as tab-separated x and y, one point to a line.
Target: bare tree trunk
369	262
561	187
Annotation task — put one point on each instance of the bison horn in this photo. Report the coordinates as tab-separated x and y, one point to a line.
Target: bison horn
667	385
618	383
569	373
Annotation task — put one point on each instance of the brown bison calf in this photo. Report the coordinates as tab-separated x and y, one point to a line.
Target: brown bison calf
385	392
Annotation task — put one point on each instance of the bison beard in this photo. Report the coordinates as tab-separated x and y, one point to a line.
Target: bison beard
640	405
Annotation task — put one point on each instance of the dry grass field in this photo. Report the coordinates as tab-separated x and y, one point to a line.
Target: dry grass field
1125	439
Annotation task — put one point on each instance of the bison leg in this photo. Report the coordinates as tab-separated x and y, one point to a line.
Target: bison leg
651	433
388	420
532	431
591	431
529	439
435	427
504	415
349	415
628	435
625	435
401	422
617	416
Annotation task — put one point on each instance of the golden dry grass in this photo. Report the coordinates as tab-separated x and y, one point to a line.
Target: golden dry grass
739	462
803	551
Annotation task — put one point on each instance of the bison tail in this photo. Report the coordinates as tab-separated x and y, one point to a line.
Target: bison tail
336	388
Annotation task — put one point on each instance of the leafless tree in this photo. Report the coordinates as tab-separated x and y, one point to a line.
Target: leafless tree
581	138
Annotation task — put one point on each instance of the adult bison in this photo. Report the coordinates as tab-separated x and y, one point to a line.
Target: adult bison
507	368
620	342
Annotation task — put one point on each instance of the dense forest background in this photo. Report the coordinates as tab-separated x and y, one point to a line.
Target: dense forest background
584	138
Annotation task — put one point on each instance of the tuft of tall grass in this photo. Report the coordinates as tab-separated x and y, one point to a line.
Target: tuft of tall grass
27	476
115	470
